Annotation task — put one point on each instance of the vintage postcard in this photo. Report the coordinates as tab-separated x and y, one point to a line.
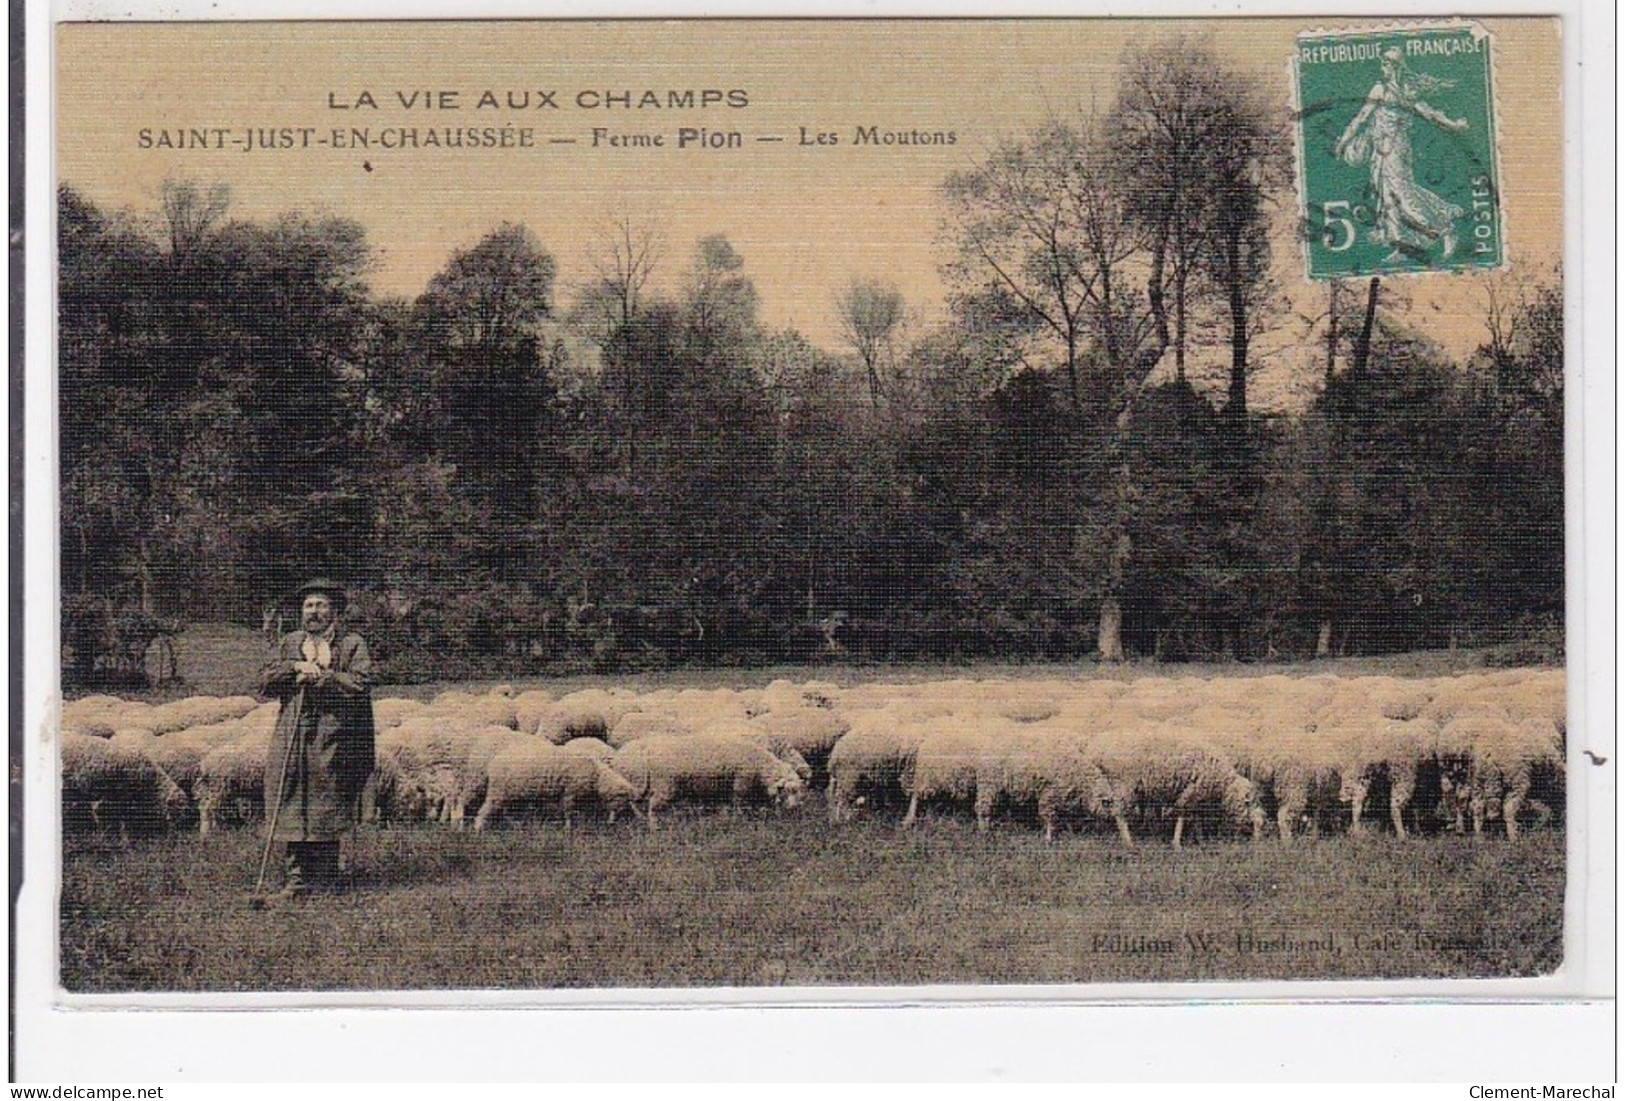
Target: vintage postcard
570	512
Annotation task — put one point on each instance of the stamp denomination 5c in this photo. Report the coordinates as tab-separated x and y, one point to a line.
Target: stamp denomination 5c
1396	151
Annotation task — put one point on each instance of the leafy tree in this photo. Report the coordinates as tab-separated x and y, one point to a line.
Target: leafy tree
481	324
1045	220
871	312
1201	152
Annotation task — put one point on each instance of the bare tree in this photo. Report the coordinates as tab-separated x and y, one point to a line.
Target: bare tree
624	261
1011	224
190	213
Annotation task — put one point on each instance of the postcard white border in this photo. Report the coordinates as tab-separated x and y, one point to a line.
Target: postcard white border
1557	1029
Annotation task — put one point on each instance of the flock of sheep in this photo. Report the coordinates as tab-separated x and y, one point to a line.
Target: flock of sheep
1231	753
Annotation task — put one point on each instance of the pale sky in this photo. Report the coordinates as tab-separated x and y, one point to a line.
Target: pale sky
806	218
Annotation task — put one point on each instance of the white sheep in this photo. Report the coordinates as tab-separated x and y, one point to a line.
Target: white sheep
437	766
874	757
642	724
1017	768
199	711
810	731
589	713
103	716
1052	766
1158	768
529	707
389	711
1271	743
752	730
108	784
180	754
471	710
230	786
950	759
1370	749
1505	756
783	694
704	767
532	774
594	748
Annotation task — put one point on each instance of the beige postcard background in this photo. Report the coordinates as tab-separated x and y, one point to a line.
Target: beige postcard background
809	216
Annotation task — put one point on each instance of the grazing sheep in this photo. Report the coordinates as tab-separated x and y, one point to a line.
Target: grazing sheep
100	716
1155	768
532	774
594	748
472	710
387	797
1021	768
1516	694
1505	758
1396	698
1159	699
1053	766
181	754
810	731
1272	746
528	709
391	712
199	711
438	766
86	707
751	730
875	756
784	694
706	767
589	713
700	706
230	785
109	785
179	806
104	716
643	724
949	761
1372	750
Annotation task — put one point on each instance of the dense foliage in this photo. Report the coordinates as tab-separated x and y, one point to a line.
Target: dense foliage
638	479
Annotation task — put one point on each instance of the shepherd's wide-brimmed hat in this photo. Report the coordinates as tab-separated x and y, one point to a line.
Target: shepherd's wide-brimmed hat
328	588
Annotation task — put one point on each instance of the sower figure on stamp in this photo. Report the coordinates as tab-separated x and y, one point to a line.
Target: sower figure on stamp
1409	217
322	752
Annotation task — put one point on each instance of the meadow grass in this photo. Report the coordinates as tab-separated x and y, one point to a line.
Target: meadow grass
771	901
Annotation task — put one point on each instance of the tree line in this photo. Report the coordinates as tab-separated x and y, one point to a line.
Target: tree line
645	473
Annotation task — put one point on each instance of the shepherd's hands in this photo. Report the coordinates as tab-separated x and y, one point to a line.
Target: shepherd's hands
308	672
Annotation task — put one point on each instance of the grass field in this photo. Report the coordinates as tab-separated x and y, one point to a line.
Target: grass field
770	901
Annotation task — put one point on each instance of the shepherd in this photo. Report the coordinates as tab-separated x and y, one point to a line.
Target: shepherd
322	752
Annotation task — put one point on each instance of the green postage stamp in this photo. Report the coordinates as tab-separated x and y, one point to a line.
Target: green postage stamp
1396	151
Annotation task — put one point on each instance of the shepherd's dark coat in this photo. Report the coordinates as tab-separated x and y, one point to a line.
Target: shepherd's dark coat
337	740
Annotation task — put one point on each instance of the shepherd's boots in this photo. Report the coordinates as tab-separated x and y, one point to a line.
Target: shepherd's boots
324	866
310	866
296	872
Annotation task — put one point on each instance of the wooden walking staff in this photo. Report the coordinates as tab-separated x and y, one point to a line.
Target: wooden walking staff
256	898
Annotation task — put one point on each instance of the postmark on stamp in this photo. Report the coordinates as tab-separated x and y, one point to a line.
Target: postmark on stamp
1396	151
